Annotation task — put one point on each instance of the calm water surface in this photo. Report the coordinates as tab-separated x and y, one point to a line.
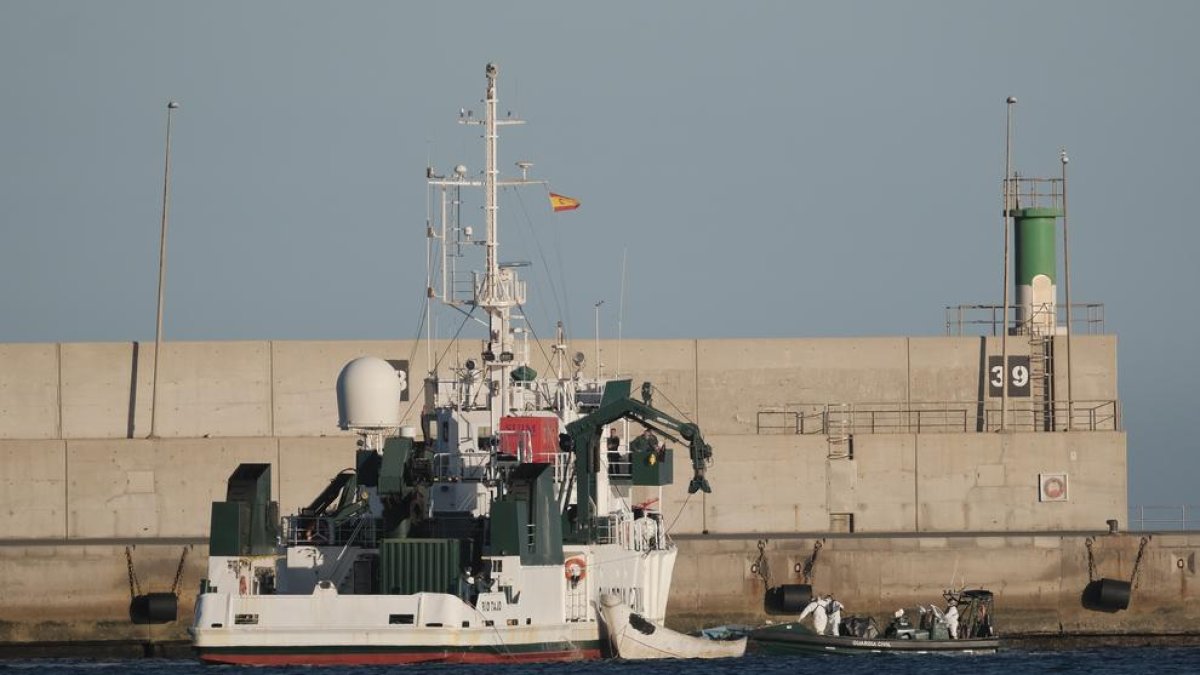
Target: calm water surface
1116	661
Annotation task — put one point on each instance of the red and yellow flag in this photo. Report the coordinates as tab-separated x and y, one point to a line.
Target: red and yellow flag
562	203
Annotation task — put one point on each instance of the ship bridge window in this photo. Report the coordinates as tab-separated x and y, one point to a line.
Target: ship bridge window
400	619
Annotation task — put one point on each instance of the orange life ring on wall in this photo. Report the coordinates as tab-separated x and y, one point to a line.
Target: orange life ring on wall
575	569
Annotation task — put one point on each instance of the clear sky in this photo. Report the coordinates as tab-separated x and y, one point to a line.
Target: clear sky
771	168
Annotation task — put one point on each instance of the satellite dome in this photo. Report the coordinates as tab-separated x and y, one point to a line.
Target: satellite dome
368	391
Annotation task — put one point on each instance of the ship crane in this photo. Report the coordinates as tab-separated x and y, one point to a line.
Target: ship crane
584	437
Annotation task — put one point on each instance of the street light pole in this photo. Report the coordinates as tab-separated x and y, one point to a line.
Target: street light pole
1067	277
1008	206
601	302
162	270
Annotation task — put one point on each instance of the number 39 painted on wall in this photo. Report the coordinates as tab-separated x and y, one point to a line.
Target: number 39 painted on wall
1018	376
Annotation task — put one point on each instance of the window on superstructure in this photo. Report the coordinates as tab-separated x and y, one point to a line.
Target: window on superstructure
400	619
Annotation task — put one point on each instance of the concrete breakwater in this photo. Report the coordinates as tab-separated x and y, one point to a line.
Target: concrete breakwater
64	592
1038	579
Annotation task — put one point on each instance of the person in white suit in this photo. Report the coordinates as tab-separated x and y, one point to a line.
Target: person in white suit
819	608
952	619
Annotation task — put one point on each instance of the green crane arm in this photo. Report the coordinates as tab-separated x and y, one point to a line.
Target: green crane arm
583	437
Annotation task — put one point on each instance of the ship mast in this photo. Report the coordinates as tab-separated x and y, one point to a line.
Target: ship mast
499	290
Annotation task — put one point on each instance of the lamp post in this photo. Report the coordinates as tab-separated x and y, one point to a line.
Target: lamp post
1008	199
172	106
601	302
1067	277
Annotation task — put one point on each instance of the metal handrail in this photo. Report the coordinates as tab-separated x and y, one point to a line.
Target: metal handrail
936	416
1177	517
1086	318
326	531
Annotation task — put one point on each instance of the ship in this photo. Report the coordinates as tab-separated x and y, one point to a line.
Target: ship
488	537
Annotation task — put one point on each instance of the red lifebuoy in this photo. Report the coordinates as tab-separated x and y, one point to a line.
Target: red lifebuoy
1053	488
575	568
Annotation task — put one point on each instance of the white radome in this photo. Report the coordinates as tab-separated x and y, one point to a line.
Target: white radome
368	391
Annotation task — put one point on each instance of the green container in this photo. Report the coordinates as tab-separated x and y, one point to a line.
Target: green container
652	468
409	566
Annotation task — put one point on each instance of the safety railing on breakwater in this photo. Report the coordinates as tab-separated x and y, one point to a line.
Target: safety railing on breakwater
1180	517
937	417
1086	319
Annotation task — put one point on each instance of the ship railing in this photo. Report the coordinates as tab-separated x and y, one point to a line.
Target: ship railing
620	468
534	395
461	464
562	466
467	395
328	531
589	395
967	320
504	289
830	419
622	529
1180	517
608	529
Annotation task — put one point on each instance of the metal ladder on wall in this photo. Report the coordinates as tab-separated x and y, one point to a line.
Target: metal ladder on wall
1041	380
838	430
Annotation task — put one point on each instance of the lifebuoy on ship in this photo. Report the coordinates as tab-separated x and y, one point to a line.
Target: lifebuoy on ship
575	569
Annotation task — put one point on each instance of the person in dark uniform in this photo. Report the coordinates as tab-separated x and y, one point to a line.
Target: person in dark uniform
614	452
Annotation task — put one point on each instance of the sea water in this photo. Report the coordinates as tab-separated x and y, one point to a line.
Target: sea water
1113	661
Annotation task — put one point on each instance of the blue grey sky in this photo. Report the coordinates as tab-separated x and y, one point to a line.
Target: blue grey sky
772	168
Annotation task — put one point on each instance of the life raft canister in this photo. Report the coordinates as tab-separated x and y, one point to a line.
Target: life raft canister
575	569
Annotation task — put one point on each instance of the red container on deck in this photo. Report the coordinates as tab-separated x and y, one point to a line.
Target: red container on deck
529	439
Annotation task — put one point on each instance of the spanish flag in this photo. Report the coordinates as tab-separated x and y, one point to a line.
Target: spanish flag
560	203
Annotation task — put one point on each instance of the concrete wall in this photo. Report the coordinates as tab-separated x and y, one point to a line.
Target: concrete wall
286	389
762	484
75	464
902	483
1038	580
81	592
96	489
